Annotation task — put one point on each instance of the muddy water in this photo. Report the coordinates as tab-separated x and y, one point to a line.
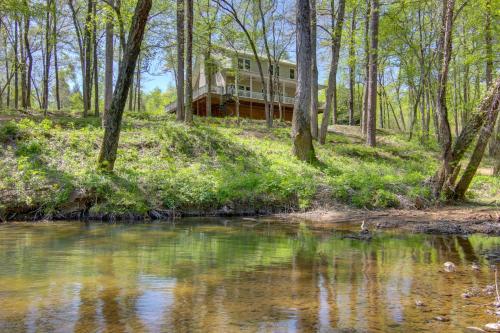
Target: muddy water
235	276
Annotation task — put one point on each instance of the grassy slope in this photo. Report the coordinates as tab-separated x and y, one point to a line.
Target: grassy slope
47	166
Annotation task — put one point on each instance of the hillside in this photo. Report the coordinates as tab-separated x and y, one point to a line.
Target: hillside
217	166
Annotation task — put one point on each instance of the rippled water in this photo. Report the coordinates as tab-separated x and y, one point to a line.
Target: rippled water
234	275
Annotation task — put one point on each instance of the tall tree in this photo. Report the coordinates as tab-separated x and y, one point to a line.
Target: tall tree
16	64
29	57
371	124
87	80
301	123
364	112
189	62
230	7
490	114
56	62
48	52
445	173
95	63
108	65
331	92
113	118
180	60
314	71
352	65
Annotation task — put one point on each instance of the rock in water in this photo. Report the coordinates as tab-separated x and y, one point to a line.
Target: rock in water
419	303
492	327
449	267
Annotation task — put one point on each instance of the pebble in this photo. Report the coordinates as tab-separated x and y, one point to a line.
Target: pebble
449	267
492	327
419	303
473	329
440	318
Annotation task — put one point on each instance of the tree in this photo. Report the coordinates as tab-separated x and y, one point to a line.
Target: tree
95	62
87	82
180	61
371	125
446	172
331	92
352	66
113	118
189	62
301	123
489	110
230	7
108	65
314	73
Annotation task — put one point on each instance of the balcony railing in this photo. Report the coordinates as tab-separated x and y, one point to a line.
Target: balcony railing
231	91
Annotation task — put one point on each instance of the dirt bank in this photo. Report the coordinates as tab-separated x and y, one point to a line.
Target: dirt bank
463	219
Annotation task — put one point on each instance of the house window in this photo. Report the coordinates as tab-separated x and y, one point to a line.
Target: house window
271	70
292	73
244	64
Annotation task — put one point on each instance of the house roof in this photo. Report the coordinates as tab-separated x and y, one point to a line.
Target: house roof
224	51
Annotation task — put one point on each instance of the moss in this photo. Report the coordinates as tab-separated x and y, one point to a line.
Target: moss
215	163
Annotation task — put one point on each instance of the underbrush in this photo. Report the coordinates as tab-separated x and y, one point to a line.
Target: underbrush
48	166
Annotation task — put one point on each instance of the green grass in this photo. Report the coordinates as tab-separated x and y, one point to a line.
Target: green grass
216	163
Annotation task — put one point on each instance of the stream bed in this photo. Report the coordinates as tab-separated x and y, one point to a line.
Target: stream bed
239	275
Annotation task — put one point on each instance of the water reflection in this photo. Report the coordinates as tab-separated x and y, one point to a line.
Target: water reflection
232	277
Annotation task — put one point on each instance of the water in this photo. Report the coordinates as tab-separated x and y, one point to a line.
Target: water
234	276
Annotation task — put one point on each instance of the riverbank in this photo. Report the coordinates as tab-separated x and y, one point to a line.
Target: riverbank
457	220
216	167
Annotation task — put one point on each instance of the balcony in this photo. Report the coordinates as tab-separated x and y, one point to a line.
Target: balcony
232	92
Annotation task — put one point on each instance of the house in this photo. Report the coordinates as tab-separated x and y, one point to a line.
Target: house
236	87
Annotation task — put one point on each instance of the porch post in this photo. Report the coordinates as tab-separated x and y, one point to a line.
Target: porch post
251	85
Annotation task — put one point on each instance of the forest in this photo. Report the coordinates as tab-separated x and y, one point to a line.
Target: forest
149	109
249	166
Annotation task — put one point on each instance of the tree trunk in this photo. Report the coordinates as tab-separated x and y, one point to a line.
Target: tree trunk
108	70
371	125
364	114
314	73
22	66
95	63
56	63
301	128
87	82
81	51
180	61
332	77
446	171
352	67
271	73
48	51
7	102
490	115
138	87
16	66
107	154
496	152
29	58
189	62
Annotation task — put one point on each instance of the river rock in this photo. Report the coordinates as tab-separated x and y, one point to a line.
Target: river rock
492	327
449	267
441	318
419	303
473	329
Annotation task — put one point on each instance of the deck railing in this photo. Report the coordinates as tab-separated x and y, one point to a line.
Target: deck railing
231	91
